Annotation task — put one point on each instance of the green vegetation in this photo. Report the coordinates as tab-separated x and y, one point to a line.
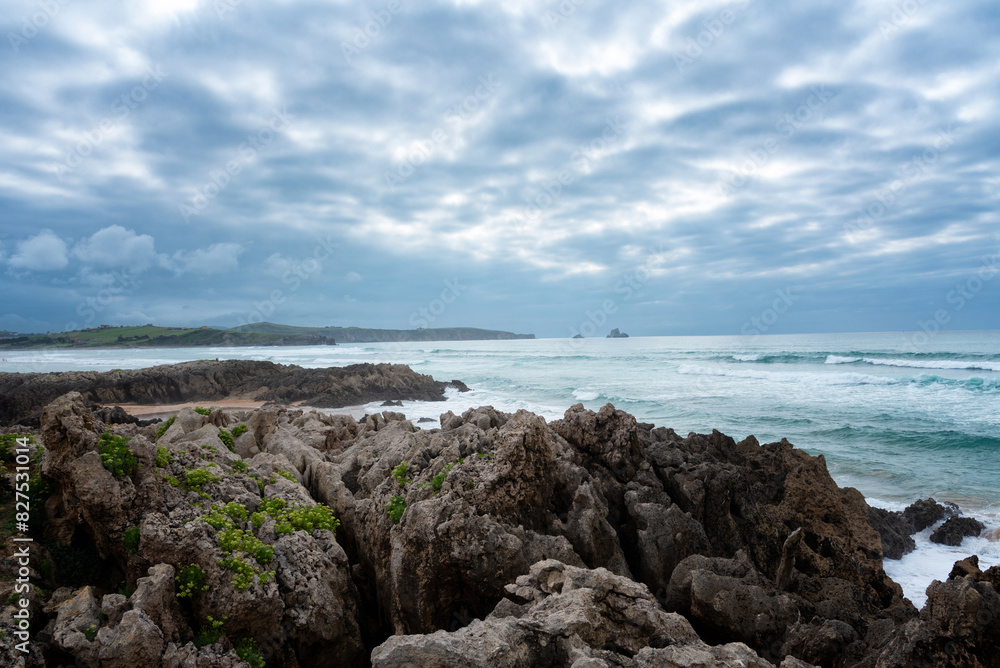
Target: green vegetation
247	650
399	473
190	581
287	475
202	411
162	429
163	457
91	632
210	631
438	480
257	334
239	430
132	539
196	478
8	444
227	440
396	508
115	454
239	466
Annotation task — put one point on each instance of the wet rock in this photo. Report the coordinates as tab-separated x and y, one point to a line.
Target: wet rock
925	512
894	530
392	403
955	530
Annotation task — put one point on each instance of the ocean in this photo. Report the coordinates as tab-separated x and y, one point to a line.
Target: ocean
898	416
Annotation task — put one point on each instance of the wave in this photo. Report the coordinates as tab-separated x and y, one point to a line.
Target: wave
971	365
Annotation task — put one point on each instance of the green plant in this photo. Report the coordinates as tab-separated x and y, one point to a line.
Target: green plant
210	632
163	457
8	443
115	454
190	581
239	466
91	632
172	479
260	482
132	539
227	440
195	478
396	508
438	480
399	473
247	650
162	429
239	430
126	590
286	475
243	572
202	411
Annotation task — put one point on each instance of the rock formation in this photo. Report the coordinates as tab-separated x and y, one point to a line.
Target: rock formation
496	540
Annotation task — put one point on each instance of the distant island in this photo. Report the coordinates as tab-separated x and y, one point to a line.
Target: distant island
615	334
259	334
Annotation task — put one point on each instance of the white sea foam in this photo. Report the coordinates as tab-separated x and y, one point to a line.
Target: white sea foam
837	359
746	358
586	394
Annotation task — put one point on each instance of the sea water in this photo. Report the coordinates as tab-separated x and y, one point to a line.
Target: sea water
896	420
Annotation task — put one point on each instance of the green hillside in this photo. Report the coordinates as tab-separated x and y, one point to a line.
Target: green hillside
261	334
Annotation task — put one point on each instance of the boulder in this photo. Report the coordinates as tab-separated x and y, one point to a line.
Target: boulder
955	530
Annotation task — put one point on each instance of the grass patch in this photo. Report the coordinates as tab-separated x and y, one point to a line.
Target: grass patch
248	650
202	411
115	454
210	631
132	539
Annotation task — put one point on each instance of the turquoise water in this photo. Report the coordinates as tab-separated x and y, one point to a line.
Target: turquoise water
897	421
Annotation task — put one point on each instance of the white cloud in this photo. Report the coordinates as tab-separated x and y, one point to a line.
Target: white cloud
116	246
42	252
216	259
353	277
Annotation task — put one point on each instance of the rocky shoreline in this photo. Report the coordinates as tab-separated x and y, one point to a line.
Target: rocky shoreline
23	395
496	539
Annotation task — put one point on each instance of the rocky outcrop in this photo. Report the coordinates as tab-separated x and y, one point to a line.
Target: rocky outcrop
955	530
615	334
497	539
24	394
925	512
894	530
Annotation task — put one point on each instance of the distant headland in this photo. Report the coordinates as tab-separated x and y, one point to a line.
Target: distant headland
258	334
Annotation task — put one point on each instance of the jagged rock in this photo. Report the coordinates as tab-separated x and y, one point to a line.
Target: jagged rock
957	627
955	529
392	403
567	616
75	617
925	512
135	641
894	530
22	394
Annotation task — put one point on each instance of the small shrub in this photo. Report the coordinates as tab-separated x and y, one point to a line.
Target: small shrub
162	429
132	540
227	440
287	475
115	454
8	443
239	466
202	411
399	473
396	508
243	572
260	482
210	631
126	590
190	581
239	430
91	632
195	478
163	457
247	650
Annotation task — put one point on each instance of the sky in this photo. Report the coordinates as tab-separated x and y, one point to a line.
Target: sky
666	168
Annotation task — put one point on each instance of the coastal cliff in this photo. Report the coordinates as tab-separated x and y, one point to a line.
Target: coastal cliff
496	539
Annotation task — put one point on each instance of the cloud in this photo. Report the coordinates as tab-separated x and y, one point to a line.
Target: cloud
353	277
43	252
218	258
115	246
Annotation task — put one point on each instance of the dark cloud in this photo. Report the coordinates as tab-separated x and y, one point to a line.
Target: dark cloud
759	146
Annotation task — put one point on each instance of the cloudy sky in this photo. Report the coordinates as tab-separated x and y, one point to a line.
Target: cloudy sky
662	167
